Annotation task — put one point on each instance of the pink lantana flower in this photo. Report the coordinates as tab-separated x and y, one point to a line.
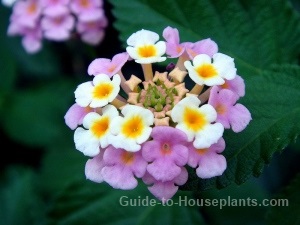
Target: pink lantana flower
55	8
208	160
174	47
75	115
161	127
85	6
165	190
167	153
26	13
107	66
94	166
229	114
58	28
92	32
237	85
121	167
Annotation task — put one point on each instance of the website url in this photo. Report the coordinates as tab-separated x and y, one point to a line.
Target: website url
185	201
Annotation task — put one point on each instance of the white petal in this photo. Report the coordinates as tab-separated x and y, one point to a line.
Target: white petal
142	37
195	77
208	136
209	112
110	111
89	119
201	59
217	80
160	48
86	142
95	103
132	52
150	60
144	137
83	94
100	78
190	134
115	126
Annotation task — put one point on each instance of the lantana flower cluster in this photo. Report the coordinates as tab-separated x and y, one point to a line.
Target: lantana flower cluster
56	20
161	127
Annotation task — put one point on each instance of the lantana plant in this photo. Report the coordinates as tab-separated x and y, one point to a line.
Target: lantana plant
160	128
56	20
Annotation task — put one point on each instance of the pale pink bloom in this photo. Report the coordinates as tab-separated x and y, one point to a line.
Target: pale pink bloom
176	49
167	153
92	32
81	6
58	28
229	114
208	161
93	168
32	39
75	115
121	167
237	85
26	13
107	66
165	190
55	8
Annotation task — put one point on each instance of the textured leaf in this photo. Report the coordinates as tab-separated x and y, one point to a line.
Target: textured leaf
71	165
35	116
289	215
19	202
274	101
256	33
87	203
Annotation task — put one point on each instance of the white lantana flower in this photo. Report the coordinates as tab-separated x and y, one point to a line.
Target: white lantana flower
133	129
144	49
8	3
96	134
99	92
204	71
197	122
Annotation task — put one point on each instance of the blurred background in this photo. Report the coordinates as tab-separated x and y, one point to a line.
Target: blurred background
42	177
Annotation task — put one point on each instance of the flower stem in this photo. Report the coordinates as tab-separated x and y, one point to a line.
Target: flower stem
197	89
118	103
180	63
123	84
147	69
204	97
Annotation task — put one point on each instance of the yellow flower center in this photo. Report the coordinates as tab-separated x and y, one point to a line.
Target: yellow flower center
127	157
202	151
221	109
147	51
103	90
194	119
165	149
133	127
100	127
206	71
84	3
32	8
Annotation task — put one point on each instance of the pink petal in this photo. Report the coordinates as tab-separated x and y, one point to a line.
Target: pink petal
163	190
168	134
151	150
206	46
98	66
239	117
93	168
163	170
75	115
180	154
31	44
119	177
182	178
211	165
93	37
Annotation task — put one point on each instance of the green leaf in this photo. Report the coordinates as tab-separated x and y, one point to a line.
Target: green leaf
36	116
255	33
89	203
71	166
235	204
19	202
283	214
273	98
